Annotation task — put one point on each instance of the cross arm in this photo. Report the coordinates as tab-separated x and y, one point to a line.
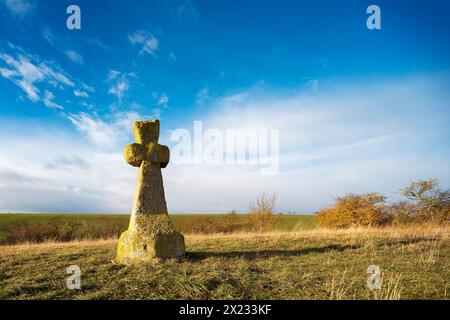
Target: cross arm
135	153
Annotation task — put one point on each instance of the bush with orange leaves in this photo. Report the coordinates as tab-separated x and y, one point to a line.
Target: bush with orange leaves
354	210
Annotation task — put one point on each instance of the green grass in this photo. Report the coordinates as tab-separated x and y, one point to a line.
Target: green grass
9	220
309	264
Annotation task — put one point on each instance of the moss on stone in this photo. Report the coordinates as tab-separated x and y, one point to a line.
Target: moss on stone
134	154
150	234
146	131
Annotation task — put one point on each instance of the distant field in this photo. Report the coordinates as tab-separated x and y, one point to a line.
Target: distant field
16	228
289	222
8	220
305	264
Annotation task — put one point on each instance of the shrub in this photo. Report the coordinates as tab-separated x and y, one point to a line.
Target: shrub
261	216
199	225
230	223
60	229
227	223
430	203
403	212
354	210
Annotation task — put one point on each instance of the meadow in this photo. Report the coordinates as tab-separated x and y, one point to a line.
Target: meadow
297	264
18	228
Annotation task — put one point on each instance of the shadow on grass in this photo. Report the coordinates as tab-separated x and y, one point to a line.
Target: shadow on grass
251	255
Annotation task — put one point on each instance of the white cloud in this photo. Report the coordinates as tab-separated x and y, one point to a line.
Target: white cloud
68	163
119	89
18	7
172	57
161	99
24	74
61	44
102	133
88	88
188	11
156	113
49	100
149	44
348	137
49	36
119	82
53	171
87	105
7	73
313	84
97	42
112	75
96	130
27	71
202	96
79	93
74	56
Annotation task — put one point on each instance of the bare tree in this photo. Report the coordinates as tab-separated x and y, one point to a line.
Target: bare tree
261	216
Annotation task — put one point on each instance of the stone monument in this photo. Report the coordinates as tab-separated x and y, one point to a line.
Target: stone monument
150	233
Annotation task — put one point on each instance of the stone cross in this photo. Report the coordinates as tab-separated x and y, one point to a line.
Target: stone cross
150	233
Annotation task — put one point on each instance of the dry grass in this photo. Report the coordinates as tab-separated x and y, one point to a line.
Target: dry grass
339	287
307	264
391	289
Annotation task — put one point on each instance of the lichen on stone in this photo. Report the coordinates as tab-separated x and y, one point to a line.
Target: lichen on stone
150	233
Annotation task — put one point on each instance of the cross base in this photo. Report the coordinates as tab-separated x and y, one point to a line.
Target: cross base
149	237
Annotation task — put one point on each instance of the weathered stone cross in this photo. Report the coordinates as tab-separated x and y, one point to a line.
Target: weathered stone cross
150	233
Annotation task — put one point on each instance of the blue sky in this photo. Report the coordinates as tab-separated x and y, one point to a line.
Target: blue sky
358	110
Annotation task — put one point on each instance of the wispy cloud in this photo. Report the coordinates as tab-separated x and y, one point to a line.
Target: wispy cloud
313	84
23	73
119	83
79	93
49	100
147	41
98	131
334	141
63	45
188	11
18	7
101	132
68	163
172	57
28	71
161	99
97	42
74	56
119	89
88	88
54	171
38	78
49	36
202	96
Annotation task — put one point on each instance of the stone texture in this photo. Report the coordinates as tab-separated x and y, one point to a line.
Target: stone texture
150	233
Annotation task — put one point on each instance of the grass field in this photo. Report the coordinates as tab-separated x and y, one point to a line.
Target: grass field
18	228
8	220
305	264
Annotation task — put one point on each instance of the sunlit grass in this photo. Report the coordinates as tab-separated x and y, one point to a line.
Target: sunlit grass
307	264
